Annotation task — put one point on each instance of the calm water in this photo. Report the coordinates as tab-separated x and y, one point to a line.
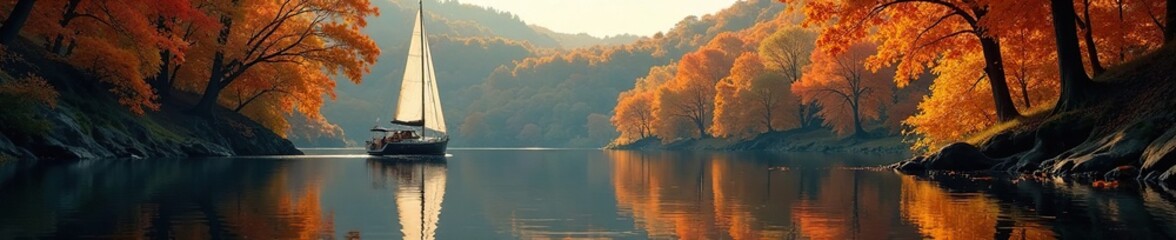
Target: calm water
506	194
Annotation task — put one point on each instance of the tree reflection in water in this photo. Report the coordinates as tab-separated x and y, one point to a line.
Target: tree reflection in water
563	194
741	196
767	196
162	199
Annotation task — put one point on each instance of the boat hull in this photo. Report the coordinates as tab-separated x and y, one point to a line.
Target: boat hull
410	148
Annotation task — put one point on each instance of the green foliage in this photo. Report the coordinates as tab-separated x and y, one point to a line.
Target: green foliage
21	99
159	131
19	117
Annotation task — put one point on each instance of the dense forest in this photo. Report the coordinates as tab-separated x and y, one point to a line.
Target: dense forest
502	85
565	98
862	68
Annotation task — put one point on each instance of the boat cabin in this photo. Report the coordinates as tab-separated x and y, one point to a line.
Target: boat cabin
381	136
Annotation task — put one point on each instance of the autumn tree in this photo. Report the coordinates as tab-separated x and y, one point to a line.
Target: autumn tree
325	34
189	32
269	93
787	52
633	115
689	96
113	40
15	21
752	100
916	34
1075	82
848	92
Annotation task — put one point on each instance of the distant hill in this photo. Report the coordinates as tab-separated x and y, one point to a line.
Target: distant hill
564	99
504	83
582	40
467	41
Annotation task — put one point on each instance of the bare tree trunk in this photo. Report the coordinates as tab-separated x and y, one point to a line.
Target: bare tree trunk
858	131
994	68
1088	36
16	20
1074	79
1170	22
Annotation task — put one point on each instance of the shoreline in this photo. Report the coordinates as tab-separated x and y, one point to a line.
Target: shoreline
812	140
89	123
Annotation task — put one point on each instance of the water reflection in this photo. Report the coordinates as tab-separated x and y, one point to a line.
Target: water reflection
958	206
557	194
165	199
419	192
747	196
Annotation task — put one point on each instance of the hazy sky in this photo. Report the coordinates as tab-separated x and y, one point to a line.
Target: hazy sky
605	17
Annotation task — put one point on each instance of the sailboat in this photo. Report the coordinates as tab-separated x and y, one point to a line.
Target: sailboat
418	126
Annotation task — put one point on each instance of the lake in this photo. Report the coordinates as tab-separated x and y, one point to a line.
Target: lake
547	194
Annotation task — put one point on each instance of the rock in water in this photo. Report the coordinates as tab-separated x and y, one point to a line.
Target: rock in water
959	156
1121	173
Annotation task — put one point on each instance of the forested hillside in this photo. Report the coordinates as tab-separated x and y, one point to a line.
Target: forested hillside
565	98
501	88
467	41
580	40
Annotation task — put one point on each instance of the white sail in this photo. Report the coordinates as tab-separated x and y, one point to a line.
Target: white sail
418	201
419	98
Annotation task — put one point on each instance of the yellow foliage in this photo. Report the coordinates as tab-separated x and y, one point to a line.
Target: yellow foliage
752	100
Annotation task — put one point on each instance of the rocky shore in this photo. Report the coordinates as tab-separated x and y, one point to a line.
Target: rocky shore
88	123
1126	132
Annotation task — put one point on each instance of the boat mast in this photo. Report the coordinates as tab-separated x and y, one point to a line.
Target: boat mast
423	68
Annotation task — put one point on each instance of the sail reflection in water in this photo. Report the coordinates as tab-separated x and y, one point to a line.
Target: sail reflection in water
419	192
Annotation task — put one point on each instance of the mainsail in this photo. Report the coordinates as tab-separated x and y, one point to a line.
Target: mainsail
419	100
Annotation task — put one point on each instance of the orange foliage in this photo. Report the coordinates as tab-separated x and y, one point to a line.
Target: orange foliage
269	59
848	92
752	100
688	98
268	93
633	116
947	38
115	40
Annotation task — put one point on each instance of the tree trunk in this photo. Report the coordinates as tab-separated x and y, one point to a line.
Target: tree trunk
1170	22
1025	95
208	101
1091	48
71	11
16	20
1074	80
701	130
858	131
162	81
216	80
994	68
